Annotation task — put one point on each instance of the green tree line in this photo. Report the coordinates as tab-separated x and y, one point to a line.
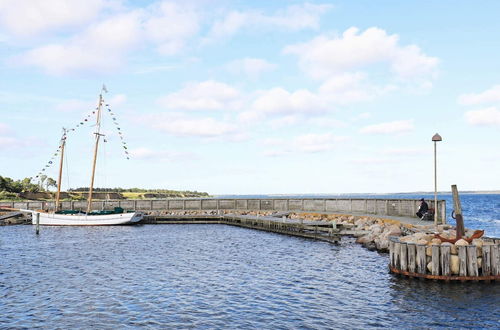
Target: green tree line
138	190
26	185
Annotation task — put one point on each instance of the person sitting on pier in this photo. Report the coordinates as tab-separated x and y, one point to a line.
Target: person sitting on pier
422	209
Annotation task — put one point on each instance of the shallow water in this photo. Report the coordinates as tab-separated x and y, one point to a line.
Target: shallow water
217	276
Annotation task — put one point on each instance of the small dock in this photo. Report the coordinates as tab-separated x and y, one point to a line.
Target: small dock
12	218
278	223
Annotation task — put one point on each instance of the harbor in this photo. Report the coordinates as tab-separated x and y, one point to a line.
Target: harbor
249	165
385	225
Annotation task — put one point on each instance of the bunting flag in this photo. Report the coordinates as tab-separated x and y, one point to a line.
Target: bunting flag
118	129
54	155
82	123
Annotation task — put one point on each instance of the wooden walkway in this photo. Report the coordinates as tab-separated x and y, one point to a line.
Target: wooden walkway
320	230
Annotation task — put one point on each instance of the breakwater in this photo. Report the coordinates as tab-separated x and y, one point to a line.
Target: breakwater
381	207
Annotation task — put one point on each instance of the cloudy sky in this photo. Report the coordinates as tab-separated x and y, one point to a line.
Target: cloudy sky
249	97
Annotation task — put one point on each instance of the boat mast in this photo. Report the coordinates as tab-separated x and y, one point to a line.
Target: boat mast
58	194
97	137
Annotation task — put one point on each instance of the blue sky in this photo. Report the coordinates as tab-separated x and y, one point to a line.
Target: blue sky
249	97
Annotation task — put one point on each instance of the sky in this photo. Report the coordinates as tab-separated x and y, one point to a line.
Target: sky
253	97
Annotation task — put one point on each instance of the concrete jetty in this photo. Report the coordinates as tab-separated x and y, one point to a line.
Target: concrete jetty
403	208
386	225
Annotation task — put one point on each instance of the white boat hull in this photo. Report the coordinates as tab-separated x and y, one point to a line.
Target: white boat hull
53	219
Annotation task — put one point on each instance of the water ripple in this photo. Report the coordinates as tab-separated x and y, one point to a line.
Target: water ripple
214	276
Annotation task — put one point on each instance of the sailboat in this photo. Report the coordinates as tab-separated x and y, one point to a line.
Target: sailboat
118	216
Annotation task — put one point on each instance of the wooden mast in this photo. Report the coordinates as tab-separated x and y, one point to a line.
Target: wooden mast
58	194
97	137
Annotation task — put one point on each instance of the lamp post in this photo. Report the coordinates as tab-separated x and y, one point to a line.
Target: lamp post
435	138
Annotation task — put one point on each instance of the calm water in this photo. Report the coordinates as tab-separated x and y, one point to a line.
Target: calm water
216	276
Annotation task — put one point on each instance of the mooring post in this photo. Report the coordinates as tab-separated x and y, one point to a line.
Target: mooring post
37	227
458	212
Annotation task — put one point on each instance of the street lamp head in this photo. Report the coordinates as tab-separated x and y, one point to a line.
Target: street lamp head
437	138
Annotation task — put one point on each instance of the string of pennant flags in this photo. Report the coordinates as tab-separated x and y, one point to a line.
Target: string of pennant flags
80	124
119	131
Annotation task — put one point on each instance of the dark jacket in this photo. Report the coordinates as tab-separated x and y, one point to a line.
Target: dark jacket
423	207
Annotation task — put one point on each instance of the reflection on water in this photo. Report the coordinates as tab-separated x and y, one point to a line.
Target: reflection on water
214	276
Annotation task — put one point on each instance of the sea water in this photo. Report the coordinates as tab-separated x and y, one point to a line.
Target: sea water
218	276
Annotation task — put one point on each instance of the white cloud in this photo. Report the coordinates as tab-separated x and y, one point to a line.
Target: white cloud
102	47
293	18
398	126
279	100
326	122
251	67
306	143
162	155
206	95
284	121
491	95
484	117
170	26
323	57
347	88
203	127
31	17
300	104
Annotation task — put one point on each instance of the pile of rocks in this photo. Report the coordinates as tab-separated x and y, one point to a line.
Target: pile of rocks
429	240
372	232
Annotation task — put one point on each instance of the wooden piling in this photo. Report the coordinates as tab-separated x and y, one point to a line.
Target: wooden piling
445	260
421	259
404	257
486	269
411	257
435	259
495	260
462	260
472	267
391	253
397	255
37	221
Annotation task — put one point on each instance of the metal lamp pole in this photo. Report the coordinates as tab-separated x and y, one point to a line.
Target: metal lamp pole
435	138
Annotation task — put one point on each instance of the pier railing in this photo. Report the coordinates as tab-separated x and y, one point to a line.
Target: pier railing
389	207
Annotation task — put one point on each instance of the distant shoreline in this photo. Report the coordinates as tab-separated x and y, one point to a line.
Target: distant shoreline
465	192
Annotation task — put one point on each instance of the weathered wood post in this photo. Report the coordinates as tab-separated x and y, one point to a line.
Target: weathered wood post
445	260
397	255
37	227
486	269
458	212
411	257
421	259
462	257
495	260
435	259
472	266
391	253
404	257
